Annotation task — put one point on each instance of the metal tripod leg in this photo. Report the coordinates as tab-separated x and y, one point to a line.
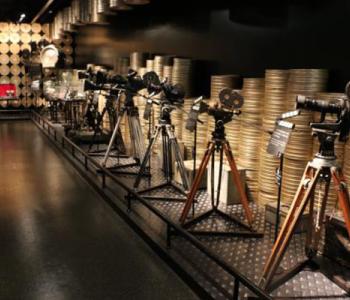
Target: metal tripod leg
196	182
97	128
343	195
178	157
237	182
136	137
306	186
147	156
315	229
166	155
111	142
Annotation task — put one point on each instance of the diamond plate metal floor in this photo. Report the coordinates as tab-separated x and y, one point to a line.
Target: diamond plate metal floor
247	255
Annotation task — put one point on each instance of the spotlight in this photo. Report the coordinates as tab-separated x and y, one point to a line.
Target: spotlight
21	18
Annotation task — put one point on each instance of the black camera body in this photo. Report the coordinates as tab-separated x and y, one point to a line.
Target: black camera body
220	115
340	107
103	80
230	103
175	94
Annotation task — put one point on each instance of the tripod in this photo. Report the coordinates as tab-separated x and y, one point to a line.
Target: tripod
130	111
97	124
323	168
221	145
169	146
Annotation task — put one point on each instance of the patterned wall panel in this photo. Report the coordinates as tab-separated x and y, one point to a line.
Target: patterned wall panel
13	39
17	37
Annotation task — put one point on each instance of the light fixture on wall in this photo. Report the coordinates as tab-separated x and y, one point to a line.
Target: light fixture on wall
118	5
49	56
21	18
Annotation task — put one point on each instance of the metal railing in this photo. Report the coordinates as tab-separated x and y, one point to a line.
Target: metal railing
172	227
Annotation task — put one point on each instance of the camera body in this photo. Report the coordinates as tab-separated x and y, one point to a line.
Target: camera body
230	103
104	80
340	107
173	94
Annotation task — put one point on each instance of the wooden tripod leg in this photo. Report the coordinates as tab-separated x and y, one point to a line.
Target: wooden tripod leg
196	182
343	195
237	182
296	210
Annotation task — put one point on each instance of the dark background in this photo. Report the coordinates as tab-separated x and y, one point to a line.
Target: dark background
243	37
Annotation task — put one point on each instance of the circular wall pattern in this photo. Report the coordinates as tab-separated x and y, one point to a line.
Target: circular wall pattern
4	48
14	37
36	37
25	38
13	27
25	27
36	27
15	70
4	59
4	70
4	27
4	37
4	79
15	48
15	59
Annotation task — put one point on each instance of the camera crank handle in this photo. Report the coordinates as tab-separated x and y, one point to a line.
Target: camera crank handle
200	121
198	100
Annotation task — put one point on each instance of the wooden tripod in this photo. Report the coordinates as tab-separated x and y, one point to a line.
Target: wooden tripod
221	145
322	168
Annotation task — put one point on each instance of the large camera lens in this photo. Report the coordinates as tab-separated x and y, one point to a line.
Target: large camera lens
318	105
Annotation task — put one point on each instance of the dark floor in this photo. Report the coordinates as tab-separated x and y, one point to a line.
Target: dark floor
58	239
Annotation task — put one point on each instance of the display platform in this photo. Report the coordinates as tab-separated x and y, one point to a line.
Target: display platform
246	255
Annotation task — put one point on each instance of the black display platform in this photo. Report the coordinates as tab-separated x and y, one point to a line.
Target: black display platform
247	255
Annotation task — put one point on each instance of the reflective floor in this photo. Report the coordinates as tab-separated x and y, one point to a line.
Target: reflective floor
59	240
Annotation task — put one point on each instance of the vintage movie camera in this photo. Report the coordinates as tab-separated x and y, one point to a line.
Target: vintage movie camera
223	111
340	108
107	81
172	96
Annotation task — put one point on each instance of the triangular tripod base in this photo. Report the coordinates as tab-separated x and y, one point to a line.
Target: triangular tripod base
284	276
123	169
123	164
163	197
246	232
119	169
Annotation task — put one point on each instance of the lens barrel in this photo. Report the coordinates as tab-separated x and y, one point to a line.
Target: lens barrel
311	104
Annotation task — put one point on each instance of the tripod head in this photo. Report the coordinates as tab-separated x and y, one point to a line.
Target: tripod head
339	107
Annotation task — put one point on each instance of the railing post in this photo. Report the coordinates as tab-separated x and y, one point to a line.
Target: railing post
236	290
62	141
55	135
